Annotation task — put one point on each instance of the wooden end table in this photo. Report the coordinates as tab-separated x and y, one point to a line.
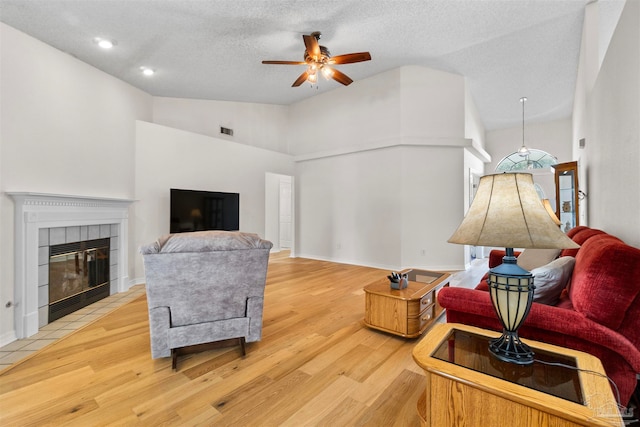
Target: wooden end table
467	385
405	312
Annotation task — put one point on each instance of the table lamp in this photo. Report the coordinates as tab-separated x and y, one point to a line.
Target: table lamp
507	212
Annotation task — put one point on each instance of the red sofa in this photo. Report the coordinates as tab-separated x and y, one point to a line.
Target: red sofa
599	312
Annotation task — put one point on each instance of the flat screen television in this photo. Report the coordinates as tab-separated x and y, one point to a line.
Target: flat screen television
193	210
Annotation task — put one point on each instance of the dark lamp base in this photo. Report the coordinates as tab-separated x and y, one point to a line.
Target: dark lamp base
509	348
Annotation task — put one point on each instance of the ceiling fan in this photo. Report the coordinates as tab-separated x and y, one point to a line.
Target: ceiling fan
318	59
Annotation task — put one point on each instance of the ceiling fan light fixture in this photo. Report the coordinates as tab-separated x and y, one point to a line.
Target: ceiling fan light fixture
313	78
327	72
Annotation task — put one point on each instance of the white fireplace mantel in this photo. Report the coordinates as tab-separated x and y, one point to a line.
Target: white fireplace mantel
34	211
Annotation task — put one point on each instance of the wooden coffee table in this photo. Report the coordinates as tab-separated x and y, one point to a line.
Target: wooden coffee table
406	312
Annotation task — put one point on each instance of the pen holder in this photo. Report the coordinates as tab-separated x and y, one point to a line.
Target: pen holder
398	281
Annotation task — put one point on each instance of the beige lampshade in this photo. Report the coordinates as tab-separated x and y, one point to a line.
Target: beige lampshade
552	214
507	212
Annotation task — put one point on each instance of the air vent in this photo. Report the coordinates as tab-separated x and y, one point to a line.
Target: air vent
226	131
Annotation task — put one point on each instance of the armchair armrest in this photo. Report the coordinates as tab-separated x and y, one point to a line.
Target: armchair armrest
254	313
159	324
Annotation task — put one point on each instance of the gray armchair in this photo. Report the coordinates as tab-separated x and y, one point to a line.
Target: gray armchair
203	287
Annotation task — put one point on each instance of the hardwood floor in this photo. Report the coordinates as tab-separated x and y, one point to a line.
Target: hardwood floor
316	365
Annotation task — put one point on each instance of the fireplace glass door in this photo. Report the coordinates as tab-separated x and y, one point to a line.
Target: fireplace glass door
77	273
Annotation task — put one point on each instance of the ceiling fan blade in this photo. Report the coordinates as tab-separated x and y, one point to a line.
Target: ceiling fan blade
341	77
301	79
350	58
285	62
313	48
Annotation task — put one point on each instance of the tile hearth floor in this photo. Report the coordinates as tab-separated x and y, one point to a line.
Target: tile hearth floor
19	349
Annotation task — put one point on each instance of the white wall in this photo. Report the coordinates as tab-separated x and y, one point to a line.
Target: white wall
359	115
608	14
171	158
432	209
473	126
432	103
380	170
66	128
259	125
391	208
350	208
607	115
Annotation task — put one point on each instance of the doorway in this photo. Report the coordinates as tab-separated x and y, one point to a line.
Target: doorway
279	211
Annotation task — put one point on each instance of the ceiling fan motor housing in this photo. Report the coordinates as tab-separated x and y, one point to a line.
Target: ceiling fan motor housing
324	56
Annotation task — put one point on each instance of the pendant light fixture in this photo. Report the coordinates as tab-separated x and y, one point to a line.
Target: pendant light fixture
523	151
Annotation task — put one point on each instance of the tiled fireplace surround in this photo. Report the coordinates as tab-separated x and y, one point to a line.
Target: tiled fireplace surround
55	236
42	220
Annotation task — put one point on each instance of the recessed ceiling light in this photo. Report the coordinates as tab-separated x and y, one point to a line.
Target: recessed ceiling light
104	43
147	71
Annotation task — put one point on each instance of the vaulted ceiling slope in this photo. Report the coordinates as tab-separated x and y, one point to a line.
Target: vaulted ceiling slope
213	49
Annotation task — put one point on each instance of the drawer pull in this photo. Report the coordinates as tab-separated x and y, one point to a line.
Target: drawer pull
427	317
426	301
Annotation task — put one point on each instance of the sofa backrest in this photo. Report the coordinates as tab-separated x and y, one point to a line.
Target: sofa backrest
605	284
580	234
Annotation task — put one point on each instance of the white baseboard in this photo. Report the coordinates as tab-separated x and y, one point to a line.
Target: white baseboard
136	281
7	338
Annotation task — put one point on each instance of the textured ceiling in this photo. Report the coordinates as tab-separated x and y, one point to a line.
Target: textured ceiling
213	49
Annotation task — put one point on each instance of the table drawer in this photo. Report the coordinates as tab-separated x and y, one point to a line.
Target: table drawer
419	323
418	306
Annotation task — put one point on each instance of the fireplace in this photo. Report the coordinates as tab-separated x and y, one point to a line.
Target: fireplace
45	220
78	275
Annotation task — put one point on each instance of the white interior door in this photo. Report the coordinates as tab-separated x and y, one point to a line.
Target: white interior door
286	215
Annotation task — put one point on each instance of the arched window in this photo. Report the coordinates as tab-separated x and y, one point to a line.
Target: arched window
536	159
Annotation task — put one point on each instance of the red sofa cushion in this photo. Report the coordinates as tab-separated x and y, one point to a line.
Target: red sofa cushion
580	235
605	284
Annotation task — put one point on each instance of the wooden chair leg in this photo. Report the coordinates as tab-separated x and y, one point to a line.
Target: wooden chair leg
174	359
242	345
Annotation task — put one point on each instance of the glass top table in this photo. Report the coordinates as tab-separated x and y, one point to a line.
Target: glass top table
551	373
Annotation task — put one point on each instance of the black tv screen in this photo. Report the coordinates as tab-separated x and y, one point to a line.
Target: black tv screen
193	210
